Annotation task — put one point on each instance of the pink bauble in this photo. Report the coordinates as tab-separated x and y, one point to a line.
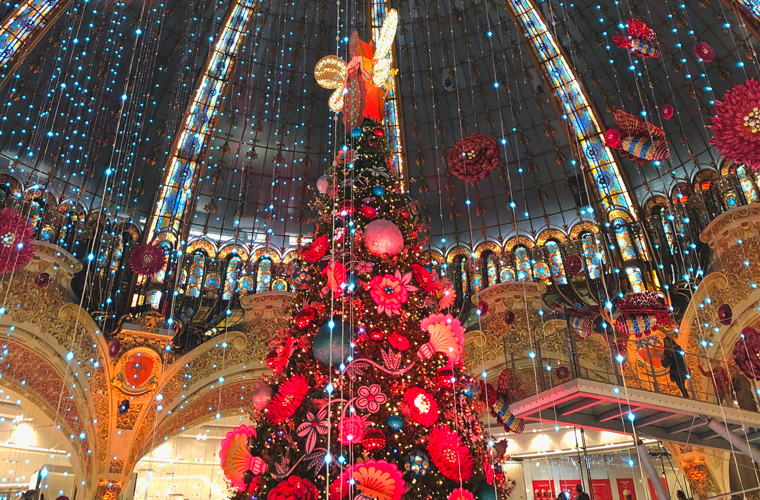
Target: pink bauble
323	184
383	237
261	397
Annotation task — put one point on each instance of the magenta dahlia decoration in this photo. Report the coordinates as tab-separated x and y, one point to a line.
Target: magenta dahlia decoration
736	124
16	248
147	259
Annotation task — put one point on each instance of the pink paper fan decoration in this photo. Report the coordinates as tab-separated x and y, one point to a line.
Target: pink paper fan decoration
736	124
446	336
16	249
236	459
704	51
460	494
147	259
376	479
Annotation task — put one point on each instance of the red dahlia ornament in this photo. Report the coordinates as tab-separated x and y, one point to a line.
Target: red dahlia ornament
147	259
667	111
704	51
16	248
736	124
474	157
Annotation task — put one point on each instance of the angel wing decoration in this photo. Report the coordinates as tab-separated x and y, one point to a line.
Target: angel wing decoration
360	86
643	141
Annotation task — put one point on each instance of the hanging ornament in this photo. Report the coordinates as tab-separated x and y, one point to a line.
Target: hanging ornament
124	407
368	211
261	397
356	132
373	440
417	463
509	317
482	309
746	351
736	124
704	51
562	373
445	378
323	184
474	157
446	337
573	264
378	131
383	237
42	280
345	209
277	359
395	423
398	341
376	333
114	348
460	494
378	190
305	316
725	315
147	259
333	345
371	144
639	39
236	459
316	249
424	278
667	111
643	141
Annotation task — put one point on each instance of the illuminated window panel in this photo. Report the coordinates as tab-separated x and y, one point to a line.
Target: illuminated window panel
26	22
753	6
592	255
392	118
230	281
668	232
195	277
748	187
557	266
201	117
522	261
577	111
507	274
263	274
542	271
492	271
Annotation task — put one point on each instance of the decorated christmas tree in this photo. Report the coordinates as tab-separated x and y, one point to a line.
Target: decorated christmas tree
368	397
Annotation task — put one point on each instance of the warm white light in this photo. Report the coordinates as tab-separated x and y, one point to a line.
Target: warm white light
23	435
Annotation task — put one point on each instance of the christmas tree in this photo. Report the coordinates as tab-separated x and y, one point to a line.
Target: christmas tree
368	397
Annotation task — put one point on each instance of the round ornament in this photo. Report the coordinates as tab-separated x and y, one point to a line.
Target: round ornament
482	309
323	184
42	280
417	462
378	190
305	316
261	397
373	440
474	157
356	132
378	131
383	237
376	333
563	372
147	259
509	317
725	315
395	423
573	264
667	111
124	407
445	378
369	212
340	347
114	348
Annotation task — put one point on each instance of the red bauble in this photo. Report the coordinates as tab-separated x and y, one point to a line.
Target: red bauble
368	211
42	280
509	317
346	208
383	237
371	144
147	259
379	131
445	378
612	138
667	111
482	308
373	440
725	315
704	51
305	317
376	333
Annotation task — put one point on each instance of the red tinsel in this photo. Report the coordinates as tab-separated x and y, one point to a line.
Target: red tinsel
474	157
16	247
147	259
732	136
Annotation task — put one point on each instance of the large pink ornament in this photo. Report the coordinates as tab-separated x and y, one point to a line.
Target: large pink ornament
236	459
147	259
736	124
16	247
446	336
383	237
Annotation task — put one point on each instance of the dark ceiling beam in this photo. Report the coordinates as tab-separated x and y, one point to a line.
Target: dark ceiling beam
23	29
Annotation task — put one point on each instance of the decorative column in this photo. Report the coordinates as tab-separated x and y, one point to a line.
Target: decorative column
192	142
23	28
393	116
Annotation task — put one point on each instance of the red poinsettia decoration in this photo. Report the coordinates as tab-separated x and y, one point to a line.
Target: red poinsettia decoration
16	248
289	398
147	259
316	249
704	51
294	488
474	157
736	124
449	454
420	406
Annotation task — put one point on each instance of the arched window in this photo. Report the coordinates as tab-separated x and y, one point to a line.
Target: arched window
492	269
666	220
748	187
592	255
231	278
195	274
556	264
542	271
705	184
507	273
628	253
522	262
246	285
263	274
280	284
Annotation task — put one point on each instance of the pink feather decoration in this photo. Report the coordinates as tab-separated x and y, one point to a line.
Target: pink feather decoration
236	459
16	249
